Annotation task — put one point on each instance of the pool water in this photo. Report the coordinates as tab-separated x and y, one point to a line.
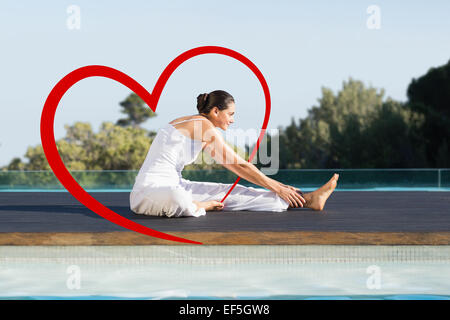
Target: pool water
225	272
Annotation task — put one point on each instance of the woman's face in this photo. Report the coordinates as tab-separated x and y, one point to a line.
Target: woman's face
223	118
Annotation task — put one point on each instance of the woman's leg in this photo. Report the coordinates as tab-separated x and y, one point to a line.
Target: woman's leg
255	199
170	201
240	199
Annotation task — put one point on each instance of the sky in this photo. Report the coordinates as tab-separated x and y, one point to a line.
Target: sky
299	46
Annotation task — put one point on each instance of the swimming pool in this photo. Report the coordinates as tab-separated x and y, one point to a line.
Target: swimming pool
225	272
228	271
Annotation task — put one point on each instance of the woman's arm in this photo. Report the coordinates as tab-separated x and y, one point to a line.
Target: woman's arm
226	156
251	173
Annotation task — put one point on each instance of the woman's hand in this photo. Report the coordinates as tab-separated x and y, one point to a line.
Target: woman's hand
291	195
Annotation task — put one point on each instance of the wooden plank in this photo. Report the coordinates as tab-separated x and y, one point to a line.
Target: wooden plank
227	238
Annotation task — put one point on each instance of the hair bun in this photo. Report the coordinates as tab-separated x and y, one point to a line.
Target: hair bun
202	96
201	101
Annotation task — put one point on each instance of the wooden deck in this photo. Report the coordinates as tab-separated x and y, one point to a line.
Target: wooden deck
350	217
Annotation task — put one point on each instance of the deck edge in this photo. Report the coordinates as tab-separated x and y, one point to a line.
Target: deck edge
225	238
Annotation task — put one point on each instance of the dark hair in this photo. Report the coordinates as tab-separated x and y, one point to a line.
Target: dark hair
217	98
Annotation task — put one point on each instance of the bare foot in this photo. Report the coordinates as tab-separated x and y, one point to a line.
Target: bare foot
316	199
209	205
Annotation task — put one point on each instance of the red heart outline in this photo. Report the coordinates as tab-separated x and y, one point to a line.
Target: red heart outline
55	96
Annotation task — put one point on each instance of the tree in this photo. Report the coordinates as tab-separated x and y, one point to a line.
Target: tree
121	146
330	135
112	148
15	164
429	95
354	128
136	110
388	141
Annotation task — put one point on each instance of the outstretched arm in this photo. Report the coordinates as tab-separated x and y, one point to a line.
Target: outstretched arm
227	157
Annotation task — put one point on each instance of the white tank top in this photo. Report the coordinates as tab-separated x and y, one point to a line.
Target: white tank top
169	152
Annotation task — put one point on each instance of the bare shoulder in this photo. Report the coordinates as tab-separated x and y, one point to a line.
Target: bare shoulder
206	130
189	118
180	119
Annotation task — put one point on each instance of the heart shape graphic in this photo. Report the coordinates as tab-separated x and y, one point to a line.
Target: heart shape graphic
53	99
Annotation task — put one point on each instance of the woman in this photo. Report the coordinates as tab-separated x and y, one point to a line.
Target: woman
160	189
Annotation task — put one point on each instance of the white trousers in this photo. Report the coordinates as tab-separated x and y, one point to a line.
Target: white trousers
176	200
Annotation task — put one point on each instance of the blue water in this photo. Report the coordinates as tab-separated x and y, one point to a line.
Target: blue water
225	272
